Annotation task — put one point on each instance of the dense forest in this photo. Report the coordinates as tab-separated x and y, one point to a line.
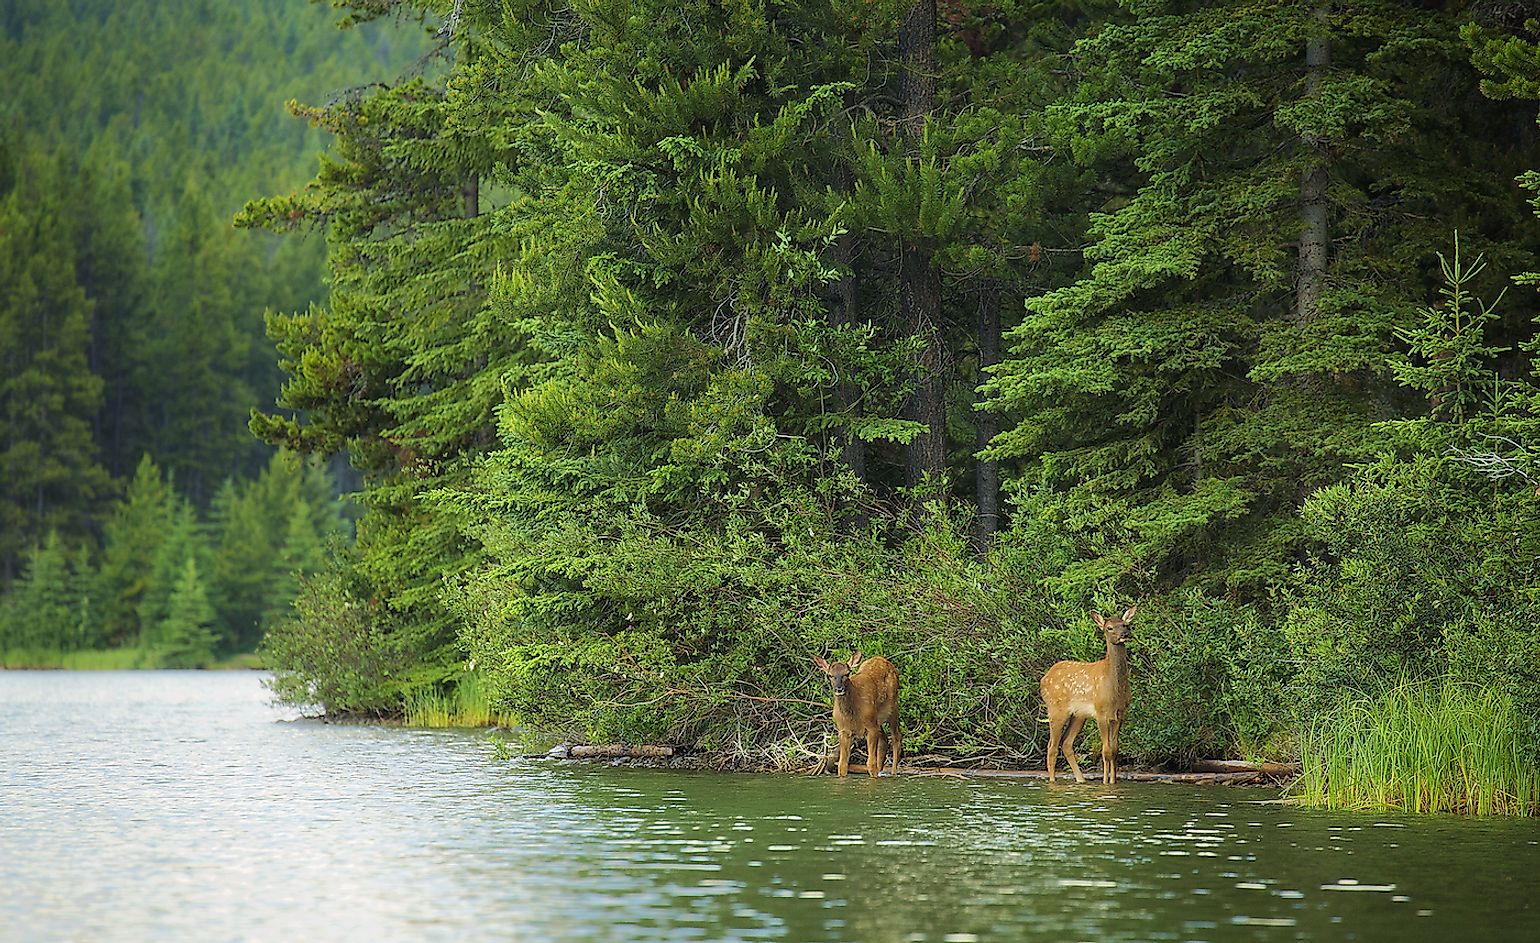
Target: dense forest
135	506
678	342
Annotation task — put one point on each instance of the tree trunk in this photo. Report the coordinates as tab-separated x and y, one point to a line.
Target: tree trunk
1314	237
919	298
988	470
472	194
852	449
844	314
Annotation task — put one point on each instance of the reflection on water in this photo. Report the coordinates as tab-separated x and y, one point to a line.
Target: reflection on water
180	805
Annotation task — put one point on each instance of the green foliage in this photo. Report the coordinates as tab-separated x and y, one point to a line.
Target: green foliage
183	540
1210	678
1425	564
1427	568
623	339
1453	362
137	162
1182	398
267	533
622	625
129	307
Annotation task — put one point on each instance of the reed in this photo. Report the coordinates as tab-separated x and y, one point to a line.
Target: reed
469	703
1421	746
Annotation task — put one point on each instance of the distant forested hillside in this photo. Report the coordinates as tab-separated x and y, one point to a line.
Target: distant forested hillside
131	311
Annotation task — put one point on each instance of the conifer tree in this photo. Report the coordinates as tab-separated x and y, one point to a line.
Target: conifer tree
194	360
44	611
184	637
110	266
49	475
183	540
1228	351
133	535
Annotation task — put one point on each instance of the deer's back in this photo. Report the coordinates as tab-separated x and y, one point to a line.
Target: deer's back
873	696
1075	686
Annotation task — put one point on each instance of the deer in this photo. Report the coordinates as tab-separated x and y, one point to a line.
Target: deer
864	701
1076	690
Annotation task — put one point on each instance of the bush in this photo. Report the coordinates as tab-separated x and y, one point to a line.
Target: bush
1208	681
705	635
330	652
1425	569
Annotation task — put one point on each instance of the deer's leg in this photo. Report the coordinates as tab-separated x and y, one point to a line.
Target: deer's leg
1108	729
898	742
1075	723
1117	730
874	741
844	753
1055	731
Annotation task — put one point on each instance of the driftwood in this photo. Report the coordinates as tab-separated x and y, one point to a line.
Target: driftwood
1222	772
1272	770
627	751
1137	776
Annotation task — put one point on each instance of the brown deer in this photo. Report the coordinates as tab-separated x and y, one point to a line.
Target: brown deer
1076	690
863	702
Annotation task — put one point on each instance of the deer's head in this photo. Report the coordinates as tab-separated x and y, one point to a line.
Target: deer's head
1115	627
838	672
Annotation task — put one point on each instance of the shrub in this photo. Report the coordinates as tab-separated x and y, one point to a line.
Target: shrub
330	652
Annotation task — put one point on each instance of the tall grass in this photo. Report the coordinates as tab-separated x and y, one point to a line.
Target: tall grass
113	659
468	704
1421	746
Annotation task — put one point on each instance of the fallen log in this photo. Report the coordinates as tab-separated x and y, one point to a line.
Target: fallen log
1239	778
616	750
1274	770
627	751
1220	772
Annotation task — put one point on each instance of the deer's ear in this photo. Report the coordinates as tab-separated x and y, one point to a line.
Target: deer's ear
822	665
1129	615
856	658
1097	617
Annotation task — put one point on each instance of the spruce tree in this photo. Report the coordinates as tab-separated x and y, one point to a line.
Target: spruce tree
1228	351
133	535
183	540
184	637
49	475
44	611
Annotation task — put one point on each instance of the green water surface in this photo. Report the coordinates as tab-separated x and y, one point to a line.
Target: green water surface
180	805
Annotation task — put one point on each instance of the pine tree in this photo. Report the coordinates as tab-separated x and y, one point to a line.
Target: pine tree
110	266
185	637
133	536
195	357
49	475
183	540
44	612
1227	353
262	534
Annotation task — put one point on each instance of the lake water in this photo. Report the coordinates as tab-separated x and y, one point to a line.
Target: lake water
183	806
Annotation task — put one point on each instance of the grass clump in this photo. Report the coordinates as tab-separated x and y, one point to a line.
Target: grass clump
1421	746
468	703
112	659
